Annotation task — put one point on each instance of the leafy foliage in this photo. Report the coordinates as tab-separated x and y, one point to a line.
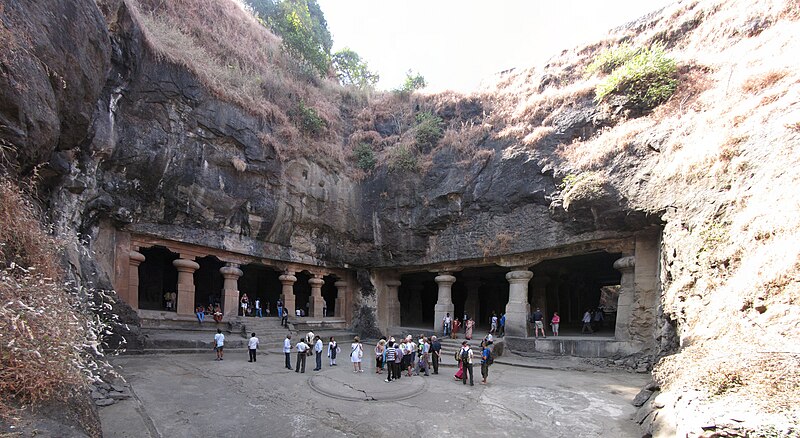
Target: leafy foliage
365	158
303	28
610	59
402	158
428	130
647	79
412	83
352	70
309	120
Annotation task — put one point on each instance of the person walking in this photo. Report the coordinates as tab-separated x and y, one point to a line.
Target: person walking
302	352
390	357
318	352
284	318
456	328
279	303
538	323
219	344
447	324
379	349
554	323
356	353
436	353
486	355
333	349
244	302
587	322
466	361
502	327
493	323
252	345
287	351
258	308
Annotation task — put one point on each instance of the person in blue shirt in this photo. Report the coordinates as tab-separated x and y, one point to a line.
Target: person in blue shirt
486	353
502	325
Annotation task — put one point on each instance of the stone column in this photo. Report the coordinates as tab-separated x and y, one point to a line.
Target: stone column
186	268
287	291
444	304
230	289
517	309
135	259
626	266
392	304
472	304
539	295
341	298
316	301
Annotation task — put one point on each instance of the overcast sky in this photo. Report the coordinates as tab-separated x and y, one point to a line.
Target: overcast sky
456	43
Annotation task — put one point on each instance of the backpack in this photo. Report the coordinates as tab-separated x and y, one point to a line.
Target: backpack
464	355
458	356
489	358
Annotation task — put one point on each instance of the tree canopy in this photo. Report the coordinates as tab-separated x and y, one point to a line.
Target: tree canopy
352	70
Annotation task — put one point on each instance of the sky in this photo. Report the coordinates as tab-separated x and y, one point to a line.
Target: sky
455	44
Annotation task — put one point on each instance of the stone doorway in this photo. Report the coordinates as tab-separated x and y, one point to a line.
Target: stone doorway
208	282
157	276
259	281
329	294
417	294
302	292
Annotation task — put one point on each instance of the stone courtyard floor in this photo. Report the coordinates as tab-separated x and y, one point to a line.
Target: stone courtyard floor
191	395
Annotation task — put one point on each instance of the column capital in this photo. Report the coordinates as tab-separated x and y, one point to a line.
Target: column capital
184	265
231	271
287	279
625	264
315	281
136	258
519	276
393	283
444	278
340	284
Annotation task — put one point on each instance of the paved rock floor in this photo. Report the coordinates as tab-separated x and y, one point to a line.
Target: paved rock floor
191	395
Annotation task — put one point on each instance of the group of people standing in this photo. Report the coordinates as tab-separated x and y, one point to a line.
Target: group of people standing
452	326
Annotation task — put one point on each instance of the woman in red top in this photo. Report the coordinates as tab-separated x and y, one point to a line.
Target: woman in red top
554	323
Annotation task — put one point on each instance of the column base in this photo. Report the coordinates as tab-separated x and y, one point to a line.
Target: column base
517	319
185	300
230	304
439	312
315	306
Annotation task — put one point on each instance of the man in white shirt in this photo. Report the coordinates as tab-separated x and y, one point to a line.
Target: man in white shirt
252	345
302	348
287	351
447	324
219	343
318	352
258	307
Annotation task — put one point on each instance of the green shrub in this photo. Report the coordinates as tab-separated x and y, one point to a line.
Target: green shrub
428	130
402	158
647	79
610	59
413	82
365	158
310	122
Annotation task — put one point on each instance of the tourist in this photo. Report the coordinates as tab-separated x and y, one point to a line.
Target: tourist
217	313
287	351
209	309
168	300
219	344
383	358
554	323
493	323
390	357
460	372
502	327
266	308
285	318
279	303
356	353
379	350
398	360
333	349
489	339
201	314
598	319
456	327
447	324
587	322
436	353
469	324
258	308
466	360
298	312
411	347
318	352
486	353
302	352
244	302
325	310
252	345
426	356
538	323
310	338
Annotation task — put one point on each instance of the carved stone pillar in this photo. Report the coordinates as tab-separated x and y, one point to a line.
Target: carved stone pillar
392	304
230	289
517	309
316	303
341	298
626	266
287	291
186	268
135	259
444	304
472	304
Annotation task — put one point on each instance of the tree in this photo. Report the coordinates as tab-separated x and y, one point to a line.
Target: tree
351	70
413	82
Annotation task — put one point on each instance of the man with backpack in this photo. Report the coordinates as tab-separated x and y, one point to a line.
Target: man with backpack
466	361
486	360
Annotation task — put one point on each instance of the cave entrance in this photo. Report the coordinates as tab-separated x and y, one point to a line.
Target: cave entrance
418	293
302	293
573	285
208	282
480	292
157	277
262	283
329	294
